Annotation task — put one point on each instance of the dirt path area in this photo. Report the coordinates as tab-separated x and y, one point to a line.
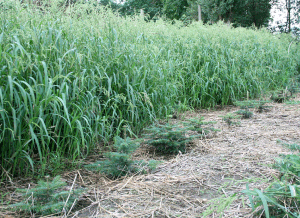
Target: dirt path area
207	180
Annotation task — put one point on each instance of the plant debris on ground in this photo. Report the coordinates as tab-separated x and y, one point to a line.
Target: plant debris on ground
205	182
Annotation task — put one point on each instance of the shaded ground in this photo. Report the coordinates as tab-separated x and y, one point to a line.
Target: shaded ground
203	181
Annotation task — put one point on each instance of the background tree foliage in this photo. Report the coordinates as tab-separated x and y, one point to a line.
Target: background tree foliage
292	10
240	13
174	9
151	7
214	10
244	13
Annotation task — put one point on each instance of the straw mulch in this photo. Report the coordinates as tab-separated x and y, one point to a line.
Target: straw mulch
200	182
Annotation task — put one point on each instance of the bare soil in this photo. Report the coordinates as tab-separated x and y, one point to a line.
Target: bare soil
207	180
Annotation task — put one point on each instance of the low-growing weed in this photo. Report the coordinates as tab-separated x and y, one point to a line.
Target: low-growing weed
3	196
219	205
291	146
282	197
292	102
289	166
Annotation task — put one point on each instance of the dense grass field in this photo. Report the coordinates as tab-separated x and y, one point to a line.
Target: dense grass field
74	77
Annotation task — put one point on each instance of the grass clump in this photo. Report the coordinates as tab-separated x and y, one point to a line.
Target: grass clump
291	146
280	96
47	198
219	205
294	88
289	166
292	102
120	163
282	197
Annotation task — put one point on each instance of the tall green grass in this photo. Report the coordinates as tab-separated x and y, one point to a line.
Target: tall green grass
72	77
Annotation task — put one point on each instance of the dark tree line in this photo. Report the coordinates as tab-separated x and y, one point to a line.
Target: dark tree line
243	13
239	12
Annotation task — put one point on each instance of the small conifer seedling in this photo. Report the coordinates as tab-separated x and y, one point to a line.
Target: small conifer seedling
47	198
120	163
246	114
168	138
200	126
230	119
258	104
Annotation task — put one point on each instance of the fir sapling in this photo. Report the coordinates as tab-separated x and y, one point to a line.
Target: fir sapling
230	119
47	198
120	163
246	114
168	138
246	105
200	126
